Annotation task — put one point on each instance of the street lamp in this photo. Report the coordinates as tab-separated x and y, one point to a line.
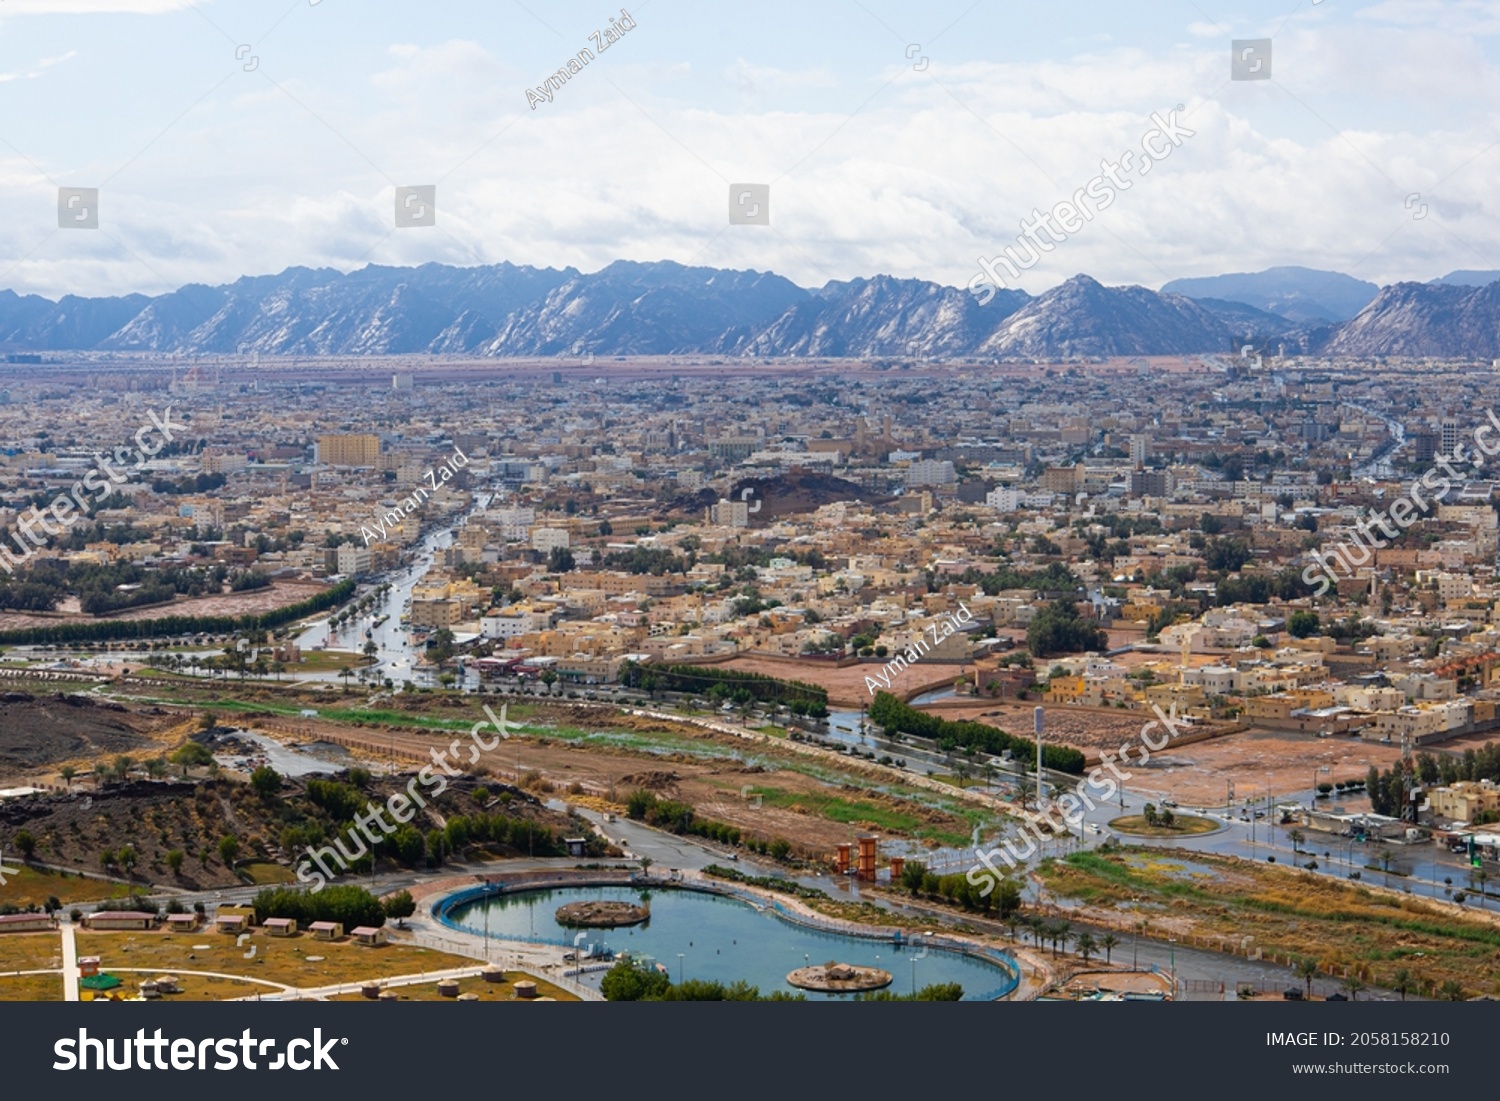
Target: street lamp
679	967
1313	795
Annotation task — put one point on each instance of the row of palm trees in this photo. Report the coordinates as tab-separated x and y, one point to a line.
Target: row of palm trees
1058	933
1402	981
362	606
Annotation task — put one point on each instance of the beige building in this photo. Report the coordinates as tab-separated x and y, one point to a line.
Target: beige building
1463	800
349	450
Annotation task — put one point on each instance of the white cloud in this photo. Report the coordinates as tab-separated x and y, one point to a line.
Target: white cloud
936	169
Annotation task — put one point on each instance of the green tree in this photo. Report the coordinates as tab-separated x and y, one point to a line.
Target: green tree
175	860
229	848
25	843
400	906
265	781
191	755
624	982
1302	624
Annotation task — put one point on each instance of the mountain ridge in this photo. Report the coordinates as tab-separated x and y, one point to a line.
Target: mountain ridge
665	308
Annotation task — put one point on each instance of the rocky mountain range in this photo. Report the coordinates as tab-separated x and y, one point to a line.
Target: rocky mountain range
662	308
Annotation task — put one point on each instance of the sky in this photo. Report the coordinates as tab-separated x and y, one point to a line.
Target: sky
240	137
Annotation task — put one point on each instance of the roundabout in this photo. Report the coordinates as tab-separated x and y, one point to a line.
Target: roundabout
1180	825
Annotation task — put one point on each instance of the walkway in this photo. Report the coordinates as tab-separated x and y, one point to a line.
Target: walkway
70	963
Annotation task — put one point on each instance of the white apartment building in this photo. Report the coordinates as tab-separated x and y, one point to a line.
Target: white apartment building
931	472
1004	498
354	559
547	540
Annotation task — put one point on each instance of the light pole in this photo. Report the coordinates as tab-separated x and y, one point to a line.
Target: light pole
1174	968
1313	795
1036	716
679	967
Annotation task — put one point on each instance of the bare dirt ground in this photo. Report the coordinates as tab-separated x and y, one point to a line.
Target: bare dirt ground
1086	729
846	687
36	732
1196	775
278	595
1468	741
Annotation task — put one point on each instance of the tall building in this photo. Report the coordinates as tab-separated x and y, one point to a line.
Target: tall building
1150	483
1140	450
349	450
1062	479
931	472
729	514
1449	436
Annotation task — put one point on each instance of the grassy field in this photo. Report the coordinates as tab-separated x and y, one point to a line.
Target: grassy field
31	988
1182	825
487	991
277	960
33	886
30	952
861	812
263	871
1370	932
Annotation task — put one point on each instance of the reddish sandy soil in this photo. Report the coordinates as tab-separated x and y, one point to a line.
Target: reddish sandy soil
278	595
1083	728
1468	741
1196	775
846	687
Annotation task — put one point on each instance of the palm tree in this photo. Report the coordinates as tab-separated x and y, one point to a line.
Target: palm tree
1353	984
1451	991
1401	982
1108	942
1086	946
1024	791
1296	837
1306	968
1037	926
1061	933
67	772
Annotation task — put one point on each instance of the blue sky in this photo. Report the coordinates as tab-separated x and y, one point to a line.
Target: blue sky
1370	150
